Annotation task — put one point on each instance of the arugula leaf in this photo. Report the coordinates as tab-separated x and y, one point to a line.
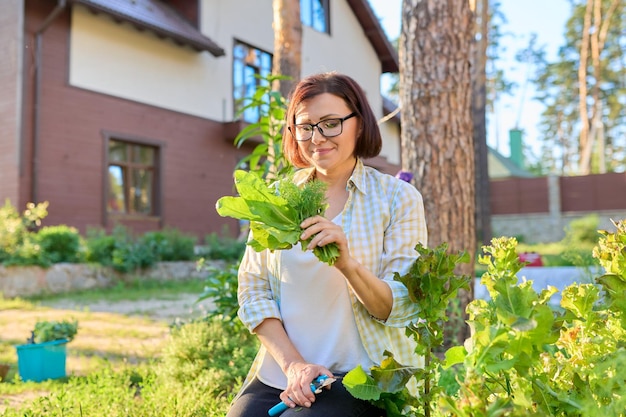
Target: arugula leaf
275	213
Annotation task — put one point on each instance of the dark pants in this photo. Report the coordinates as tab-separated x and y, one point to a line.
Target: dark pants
258	398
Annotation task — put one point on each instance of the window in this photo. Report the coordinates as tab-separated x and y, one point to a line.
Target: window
132	174
249	63
315	13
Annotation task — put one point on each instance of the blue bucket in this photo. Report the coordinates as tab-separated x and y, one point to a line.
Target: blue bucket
40	361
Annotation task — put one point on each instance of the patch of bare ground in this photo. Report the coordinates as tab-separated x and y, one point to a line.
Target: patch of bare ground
17	400
184	306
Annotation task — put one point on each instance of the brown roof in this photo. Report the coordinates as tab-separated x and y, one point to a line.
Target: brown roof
375	34
157	17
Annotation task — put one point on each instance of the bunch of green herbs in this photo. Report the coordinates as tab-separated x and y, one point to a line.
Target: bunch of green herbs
47	331
275	212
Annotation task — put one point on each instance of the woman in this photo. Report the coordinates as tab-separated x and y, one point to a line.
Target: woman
313	319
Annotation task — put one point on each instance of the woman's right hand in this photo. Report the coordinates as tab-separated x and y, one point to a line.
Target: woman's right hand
299	378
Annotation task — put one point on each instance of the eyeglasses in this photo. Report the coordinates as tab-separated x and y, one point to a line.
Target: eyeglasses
329	128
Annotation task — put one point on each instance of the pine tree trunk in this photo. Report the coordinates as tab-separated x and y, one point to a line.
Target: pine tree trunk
287	43
437	142
479	103
585	144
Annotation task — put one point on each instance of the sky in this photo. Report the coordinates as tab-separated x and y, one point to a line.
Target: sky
547	19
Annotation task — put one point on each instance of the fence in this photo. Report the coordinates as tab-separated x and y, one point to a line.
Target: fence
539	209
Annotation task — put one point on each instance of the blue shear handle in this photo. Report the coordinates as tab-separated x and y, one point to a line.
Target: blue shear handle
281	406
277	409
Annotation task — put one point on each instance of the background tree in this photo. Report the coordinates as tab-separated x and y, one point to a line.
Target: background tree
435	87
596	23
497	85
479	107
287	44
583	126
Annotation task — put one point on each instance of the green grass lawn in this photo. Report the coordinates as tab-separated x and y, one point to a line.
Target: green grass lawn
119	365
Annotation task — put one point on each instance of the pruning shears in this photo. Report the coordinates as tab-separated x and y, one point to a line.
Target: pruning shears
316	387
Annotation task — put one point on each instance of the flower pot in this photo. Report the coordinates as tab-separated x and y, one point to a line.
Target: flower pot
40	361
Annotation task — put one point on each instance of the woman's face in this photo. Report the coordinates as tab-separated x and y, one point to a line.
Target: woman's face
328	154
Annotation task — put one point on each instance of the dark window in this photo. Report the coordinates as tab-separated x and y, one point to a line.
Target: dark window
249	64
132	175
315	13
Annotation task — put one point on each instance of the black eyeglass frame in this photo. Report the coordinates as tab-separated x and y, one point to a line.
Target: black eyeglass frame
319	129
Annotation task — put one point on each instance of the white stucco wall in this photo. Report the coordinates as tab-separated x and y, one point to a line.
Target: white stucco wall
390	131
346	50
119	60
227	21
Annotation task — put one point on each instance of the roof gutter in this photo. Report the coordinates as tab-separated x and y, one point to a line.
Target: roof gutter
61	4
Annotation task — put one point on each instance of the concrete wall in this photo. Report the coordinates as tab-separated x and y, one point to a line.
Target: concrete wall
23	281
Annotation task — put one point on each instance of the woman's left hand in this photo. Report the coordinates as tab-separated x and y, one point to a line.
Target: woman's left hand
324	232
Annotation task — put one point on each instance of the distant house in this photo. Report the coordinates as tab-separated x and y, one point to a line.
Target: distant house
124	112
502	167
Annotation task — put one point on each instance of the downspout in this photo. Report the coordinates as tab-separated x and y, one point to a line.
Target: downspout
37	97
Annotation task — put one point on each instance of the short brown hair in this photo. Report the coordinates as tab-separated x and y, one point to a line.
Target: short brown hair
369	142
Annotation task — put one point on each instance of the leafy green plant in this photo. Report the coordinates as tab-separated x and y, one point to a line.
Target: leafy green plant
47	331
125	253
209	345
611	253
130	254
100	246
221	289
60	243
276	212
223	247
267	160
583	230
432	284
18	245
524	357
169	244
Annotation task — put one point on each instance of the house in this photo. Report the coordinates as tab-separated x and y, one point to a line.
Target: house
124	112
502	167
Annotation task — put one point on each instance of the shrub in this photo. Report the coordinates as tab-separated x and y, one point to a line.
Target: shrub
170	245
125	253
583	230
221	288
223	247
60	244
100	246
18	245
118	250
208	347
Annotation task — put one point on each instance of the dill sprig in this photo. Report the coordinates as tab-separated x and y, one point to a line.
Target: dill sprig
309	200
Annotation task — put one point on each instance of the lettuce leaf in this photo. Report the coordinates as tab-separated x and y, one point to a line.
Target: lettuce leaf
275	213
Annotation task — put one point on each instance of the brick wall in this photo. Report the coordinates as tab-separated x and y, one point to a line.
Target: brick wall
197	160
